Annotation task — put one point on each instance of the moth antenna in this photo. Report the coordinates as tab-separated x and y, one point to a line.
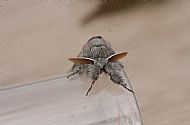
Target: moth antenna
82	60
117	56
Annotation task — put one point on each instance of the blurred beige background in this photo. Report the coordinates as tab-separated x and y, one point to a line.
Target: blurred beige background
37	37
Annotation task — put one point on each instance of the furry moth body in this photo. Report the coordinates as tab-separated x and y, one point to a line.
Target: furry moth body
97	57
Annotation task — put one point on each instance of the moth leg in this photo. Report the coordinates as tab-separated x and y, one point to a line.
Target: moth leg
124	86
77	71
118	80
114	70
90	87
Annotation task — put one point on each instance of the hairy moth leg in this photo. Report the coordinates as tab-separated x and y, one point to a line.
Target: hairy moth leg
124	86
73	73
114	70
90	87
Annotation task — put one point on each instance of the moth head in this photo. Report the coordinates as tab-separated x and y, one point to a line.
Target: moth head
101	62
82	60
116	57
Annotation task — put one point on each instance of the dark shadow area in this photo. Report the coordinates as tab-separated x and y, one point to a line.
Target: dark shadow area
111	7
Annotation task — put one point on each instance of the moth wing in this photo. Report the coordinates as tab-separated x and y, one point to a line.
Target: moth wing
117	56
82	60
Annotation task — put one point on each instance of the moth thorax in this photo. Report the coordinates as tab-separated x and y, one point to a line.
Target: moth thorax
99	52
101	62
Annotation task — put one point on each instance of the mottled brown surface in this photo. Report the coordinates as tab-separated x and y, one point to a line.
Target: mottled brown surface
38	37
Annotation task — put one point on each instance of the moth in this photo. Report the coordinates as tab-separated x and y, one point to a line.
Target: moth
96	57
